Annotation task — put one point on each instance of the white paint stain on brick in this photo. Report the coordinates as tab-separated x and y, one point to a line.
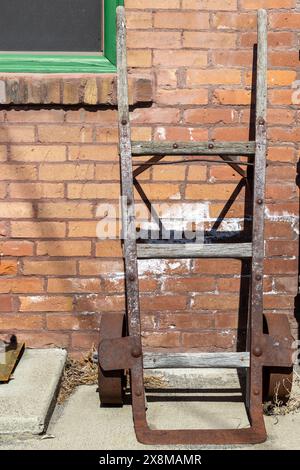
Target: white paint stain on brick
161	133
191	134
158	267
2	92
285	216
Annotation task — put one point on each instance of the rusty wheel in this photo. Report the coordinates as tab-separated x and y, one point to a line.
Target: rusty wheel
277	381
111	383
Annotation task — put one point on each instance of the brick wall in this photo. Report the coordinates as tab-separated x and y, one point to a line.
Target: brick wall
59	160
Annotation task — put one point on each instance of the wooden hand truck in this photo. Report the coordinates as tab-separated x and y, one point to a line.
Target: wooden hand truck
269	356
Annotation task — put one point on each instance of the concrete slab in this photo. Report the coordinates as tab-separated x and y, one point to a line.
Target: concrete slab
26	402
82	424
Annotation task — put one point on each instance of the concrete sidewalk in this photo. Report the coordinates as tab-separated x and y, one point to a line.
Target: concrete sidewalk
82	424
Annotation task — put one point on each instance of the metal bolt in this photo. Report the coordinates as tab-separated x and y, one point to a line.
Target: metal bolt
257	351
211	146
256	392
131	277
124	122
259	201
136	352
261	122
258	277
175	146
138	393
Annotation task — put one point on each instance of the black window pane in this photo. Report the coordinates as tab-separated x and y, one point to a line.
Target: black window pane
50	25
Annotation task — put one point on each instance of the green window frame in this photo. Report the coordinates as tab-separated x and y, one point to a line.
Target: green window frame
67	63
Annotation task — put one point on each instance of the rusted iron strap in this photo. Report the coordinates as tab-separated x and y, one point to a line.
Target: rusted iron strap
274	351
119	353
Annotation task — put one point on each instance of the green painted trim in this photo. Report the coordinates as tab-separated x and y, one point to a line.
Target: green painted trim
110	30
58	63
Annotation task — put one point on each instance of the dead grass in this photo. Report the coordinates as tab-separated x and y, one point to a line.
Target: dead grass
85	372
277	408
77	372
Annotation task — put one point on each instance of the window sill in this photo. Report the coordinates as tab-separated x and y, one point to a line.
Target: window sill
72	89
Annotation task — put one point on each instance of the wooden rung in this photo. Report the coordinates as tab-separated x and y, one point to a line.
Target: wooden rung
193	148
174	360
192	250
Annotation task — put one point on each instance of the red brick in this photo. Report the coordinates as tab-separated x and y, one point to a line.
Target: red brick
36	190
45	303
38	153
73	285
38	115
213	266
228	284
209	191
255	4
227	320
109	249
278	229
155	39
209	40
239	21
278	301
38	229
182	97
14	134
282	248
191	284
283	59
63	248
280	191
179	58
288	285
216	301
8	267
15	322
281	154
239	58
21	285
161	339
44	268
73	322
94	152
234	97
99	303
180	321
210	116
180	20
96	267
280	266
16	248
209	340
66	171
18	172
45	339
93	191
227	5
6	303
221	173
275	39
163	303
62	134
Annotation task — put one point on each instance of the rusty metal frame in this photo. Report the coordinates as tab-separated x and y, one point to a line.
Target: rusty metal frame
264	349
